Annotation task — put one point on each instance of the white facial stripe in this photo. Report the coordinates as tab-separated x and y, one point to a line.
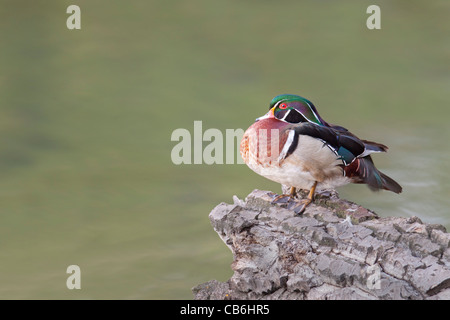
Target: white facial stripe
284	118
276	104
312	110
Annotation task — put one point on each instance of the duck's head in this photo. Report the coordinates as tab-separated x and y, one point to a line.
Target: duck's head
292	108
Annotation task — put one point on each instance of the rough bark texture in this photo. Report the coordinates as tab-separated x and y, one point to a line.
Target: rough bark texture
335	250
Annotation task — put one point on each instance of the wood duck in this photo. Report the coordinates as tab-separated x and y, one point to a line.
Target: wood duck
293	145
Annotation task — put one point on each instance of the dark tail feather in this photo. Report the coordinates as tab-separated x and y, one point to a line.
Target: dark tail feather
363	170
375	146
389	183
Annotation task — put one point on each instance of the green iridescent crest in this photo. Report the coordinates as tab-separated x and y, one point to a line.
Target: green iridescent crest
294	109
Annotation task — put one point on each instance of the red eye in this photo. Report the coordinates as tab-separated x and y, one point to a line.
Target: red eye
283	106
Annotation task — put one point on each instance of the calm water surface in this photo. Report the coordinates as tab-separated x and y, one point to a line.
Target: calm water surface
86	118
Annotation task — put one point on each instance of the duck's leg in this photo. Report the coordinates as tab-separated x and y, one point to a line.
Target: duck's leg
283	198
301	205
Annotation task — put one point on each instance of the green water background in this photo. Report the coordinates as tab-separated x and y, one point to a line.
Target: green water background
86	118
